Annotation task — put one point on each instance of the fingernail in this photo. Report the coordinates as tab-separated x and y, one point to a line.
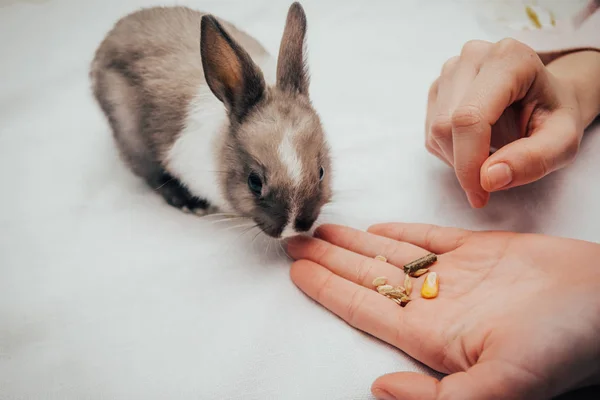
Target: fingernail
475	199
383	395
499	175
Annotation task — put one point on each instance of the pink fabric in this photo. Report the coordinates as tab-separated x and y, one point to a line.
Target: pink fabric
582	32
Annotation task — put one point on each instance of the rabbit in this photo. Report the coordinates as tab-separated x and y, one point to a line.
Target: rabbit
205	116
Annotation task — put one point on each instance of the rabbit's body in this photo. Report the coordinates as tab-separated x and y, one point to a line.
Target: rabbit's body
168	126
207	139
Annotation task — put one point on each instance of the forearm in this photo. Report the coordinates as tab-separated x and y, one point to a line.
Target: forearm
581	70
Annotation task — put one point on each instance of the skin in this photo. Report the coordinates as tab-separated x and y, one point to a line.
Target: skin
501	95
517	315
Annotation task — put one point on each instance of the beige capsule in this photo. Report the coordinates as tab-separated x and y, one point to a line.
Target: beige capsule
408	285
380	281
395	293
383	289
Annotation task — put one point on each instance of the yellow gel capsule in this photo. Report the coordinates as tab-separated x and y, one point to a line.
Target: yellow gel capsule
430	287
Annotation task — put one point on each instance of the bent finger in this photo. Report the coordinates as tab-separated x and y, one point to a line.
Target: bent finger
551	147
505	76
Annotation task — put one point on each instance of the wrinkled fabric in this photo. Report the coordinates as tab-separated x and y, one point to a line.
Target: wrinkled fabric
108	293
579	32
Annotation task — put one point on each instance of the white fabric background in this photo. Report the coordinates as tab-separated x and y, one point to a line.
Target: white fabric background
108	293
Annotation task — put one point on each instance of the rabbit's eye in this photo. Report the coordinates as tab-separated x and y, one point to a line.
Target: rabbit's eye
255	184
321	173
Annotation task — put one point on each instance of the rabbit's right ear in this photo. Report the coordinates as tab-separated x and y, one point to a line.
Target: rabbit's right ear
229	70
292	72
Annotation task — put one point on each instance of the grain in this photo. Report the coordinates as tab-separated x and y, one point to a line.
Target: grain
407	285
381	258
430	287
384	288
396	293
420	272
379	281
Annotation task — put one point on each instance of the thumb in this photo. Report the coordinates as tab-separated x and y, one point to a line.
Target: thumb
405	386
551	147
490	380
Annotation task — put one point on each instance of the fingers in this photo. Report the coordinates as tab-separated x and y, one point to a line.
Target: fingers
457	75
430	144
435	239
397	252
355	267
446	92
440	130
506	75
362	308
549	148
487	380
492	380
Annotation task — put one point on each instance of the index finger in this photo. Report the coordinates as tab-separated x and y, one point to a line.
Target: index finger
505	76
360	307
365	309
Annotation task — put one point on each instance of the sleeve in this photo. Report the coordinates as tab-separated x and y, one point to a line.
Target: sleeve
582	32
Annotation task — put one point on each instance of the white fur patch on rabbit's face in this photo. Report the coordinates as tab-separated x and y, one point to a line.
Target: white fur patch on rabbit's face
288	155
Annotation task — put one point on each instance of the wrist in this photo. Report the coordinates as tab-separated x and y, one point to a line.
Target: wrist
581	72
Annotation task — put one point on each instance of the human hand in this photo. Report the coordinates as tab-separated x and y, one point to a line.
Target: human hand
517	315
501	94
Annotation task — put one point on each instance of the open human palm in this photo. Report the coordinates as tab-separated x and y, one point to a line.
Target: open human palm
517	315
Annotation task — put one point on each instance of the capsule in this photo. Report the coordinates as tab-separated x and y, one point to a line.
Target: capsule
383	289
408	285
380	281
430	287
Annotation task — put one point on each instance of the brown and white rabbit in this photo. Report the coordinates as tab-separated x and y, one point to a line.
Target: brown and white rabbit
205	116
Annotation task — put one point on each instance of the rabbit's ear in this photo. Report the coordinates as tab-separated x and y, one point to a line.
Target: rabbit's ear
229	70
292	72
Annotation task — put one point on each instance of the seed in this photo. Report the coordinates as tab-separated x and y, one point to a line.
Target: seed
420	272
408	284
404	301
379	281
395	293
383	289
381	258
430	287
420	263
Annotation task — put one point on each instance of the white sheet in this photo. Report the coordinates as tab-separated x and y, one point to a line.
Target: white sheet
106	292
